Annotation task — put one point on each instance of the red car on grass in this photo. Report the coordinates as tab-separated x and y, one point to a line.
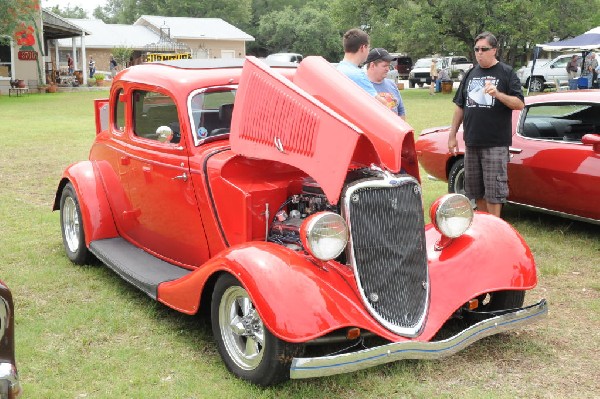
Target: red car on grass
295	217
554	158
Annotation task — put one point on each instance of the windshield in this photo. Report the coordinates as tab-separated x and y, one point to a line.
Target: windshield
211	111
423	63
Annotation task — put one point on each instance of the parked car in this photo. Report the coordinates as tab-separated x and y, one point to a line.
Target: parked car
285	57
420	73
294	217
403	65
546	74
457	66
554	158
10	387
525	71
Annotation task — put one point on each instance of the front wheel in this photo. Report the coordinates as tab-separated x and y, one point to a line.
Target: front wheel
456	177
71	224
248	349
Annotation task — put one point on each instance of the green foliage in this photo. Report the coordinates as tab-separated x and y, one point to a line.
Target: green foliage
122	54
13	13
70	12
306	31
99	76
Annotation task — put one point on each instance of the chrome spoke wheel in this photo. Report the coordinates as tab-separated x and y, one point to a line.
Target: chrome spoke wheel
241	328
71	224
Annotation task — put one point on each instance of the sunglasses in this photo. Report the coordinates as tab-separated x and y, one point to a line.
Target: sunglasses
482	49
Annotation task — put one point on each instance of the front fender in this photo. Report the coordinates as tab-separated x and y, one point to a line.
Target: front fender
490	256
96	213
297	299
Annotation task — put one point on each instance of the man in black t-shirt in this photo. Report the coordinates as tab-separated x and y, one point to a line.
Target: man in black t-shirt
484	104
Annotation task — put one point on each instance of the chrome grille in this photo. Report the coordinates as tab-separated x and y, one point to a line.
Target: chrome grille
387	250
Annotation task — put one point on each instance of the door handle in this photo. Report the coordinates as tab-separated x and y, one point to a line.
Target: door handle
513	150
183	177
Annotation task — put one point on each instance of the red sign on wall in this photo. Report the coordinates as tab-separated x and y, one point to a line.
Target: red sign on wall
27	55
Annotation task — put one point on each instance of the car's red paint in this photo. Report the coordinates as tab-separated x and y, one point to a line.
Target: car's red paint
299	300
206	204
557	175
91	190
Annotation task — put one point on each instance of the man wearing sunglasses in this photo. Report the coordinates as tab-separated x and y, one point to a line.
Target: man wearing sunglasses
484	103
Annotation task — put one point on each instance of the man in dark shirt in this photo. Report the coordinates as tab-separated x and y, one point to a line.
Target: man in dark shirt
484	104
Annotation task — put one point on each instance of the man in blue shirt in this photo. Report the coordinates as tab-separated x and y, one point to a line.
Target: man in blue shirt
378	66
356	50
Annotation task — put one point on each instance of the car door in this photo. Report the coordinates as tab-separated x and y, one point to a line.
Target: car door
550	167
558	69
165	219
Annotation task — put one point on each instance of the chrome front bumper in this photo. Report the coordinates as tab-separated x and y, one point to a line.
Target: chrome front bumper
10	387
345	363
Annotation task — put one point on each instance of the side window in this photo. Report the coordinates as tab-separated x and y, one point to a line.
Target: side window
561	63
211	113
119	112
155	117
560	122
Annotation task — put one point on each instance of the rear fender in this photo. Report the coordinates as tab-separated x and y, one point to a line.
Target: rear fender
298	300
97	217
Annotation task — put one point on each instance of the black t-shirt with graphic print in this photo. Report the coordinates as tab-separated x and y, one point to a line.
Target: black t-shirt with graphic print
487	121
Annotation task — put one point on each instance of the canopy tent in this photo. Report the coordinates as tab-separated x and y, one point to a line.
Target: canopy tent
590	40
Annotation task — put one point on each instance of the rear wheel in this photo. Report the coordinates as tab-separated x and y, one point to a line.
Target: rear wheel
461	75
248	349
456	177
536	85
411	84
71	224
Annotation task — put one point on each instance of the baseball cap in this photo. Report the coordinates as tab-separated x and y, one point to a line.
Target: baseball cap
378	54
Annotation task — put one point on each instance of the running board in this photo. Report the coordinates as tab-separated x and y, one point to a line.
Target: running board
136	266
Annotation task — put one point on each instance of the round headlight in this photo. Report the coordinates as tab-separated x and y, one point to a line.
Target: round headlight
452	215
324	235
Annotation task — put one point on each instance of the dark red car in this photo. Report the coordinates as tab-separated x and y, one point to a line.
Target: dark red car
286	202
10	387
554	158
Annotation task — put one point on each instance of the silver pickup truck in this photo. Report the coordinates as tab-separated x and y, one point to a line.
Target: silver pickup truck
457	66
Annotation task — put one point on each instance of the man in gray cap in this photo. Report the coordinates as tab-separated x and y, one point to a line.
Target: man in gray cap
378	65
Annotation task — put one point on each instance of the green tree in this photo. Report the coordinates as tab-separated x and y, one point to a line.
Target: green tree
70	12
122	55
308	31
14	12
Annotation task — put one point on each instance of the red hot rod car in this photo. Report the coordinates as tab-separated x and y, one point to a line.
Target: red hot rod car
295	217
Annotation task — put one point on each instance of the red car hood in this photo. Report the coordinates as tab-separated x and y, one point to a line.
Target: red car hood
316	123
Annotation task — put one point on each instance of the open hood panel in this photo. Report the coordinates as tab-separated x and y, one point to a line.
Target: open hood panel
313	123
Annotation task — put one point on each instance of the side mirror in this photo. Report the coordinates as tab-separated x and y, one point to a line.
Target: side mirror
593	140
164	134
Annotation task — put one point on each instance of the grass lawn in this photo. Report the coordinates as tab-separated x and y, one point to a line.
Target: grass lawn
82	332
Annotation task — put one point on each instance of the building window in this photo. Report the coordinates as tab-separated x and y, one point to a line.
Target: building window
5	60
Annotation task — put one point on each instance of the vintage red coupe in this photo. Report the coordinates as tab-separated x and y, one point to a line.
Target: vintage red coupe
295	217
554	158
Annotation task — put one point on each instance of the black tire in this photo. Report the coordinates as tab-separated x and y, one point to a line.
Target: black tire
269	360
411	84
71	226
536	85
456	177
461	76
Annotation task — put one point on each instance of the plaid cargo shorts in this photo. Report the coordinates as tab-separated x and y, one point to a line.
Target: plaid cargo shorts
485	173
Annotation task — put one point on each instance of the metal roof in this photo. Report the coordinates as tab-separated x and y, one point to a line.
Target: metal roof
57	27
102	35
195	28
